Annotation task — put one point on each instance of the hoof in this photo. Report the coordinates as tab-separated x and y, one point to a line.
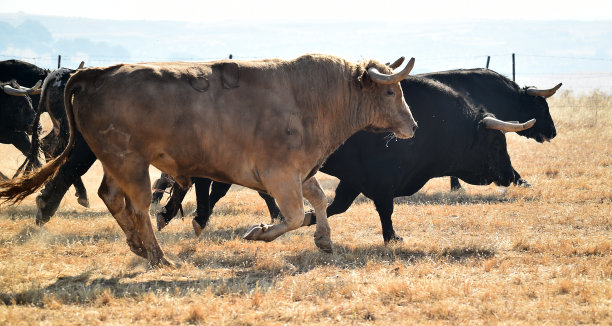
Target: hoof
155	208
196	228
523	183
324	243
394	239
162	262
255	232
83	201
41	219
161	222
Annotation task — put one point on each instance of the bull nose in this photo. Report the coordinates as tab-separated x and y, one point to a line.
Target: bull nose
553	134
415	127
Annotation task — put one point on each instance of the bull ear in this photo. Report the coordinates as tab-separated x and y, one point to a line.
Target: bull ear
364	80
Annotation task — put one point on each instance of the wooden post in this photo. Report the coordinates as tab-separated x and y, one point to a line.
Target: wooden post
488	59
59	60
513	69
231	56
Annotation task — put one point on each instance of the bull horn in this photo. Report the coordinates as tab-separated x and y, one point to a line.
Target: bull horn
81	65
545	93
22	91
493	123
396	63
393	78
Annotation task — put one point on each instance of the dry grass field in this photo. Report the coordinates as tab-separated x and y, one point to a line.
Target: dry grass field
488	255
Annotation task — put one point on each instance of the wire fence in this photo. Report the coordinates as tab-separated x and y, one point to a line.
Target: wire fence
577	83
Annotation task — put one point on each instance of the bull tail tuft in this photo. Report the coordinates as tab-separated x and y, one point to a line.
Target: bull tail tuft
17	189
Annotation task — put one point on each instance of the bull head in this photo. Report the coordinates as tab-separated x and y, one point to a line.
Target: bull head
393	78
22	91
493	123
545	93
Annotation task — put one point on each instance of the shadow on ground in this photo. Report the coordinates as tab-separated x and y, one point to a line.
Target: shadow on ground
83	289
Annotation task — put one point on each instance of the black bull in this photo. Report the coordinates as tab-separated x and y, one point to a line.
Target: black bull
451	140
16	115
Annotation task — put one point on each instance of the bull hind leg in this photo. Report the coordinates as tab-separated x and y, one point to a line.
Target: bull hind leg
118	205
168	212
129	178
204	201
81	192
159	186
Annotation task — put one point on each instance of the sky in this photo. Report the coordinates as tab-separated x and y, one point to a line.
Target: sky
325	10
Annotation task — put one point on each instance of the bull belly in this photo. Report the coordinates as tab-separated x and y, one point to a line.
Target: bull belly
243	175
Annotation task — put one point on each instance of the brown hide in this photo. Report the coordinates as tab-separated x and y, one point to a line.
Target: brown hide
247	120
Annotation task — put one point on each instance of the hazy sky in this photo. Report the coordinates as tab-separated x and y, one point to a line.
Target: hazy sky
269	10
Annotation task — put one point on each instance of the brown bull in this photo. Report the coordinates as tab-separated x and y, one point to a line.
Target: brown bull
267	125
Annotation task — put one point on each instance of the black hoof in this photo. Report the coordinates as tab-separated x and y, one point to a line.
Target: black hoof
522	183
393	239
41	219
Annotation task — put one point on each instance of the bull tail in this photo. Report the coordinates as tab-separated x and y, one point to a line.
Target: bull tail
32	160
15	190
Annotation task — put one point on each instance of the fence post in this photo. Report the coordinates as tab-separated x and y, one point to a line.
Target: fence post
488	59
513	69
59	60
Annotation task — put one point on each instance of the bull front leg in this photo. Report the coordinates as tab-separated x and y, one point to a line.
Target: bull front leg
519	181
384	207
344	198
454	184
287	190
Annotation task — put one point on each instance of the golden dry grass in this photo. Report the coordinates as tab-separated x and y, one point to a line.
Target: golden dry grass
518	256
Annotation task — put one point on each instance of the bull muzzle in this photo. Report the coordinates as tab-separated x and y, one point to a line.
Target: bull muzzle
406	133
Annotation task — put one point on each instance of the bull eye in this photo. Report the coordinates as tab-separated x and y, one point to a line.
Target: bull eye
390	93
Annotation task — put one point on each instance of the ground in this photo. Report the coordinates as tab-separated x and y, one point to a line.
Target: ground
485	255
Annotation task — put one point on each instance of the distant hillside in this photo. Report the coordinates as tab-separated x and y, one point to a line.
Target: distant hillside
542	48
